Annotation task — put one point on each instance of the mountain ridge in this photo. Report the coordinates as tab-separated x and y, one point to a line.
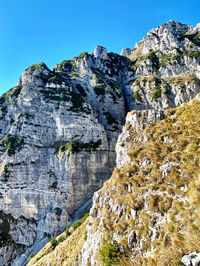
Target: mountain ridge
59	128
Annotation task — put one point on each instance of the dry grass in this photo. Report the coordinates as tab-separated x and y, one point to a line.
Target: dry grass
65	254
136	52
181	80
176	195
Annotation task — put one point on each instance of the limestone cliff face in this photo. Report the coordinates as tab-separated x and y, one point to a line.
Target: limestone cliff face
58	135
59	128
166	66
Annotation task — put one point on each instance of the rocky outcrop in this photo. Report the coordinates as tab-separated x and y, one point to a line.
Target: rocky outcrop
148	209
191	259
138	121
59	129
166	66
125	52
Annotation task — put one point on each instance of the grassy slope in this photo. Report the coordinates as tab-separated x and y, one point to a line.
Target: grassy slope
167	201
66	253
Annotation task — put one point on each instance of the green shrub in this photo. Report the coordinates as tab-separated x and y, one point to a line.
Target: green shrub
67	233
111	120
100	89
157	80
53	242
85	236
5	174
80	221
156	93
60	94
12	92
61	239
82	55
57	95
155	61
76	146
137	96
34	67
110	254
191	53
68	65
96	79
197	36
78	103
31	255
55	79
116	89
12	144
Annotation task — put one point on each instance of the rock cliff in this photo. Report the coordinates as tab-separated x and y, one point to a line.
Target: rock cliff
58	132
148	212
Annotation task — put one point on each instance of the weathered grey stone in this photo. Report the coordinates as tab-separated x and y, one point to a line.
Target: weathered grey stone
40	182
125	52
132	239
192	259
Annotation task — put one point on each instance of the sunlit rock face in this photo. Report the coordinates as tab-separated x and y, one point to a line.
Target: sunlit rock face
58	133
59	128
165	67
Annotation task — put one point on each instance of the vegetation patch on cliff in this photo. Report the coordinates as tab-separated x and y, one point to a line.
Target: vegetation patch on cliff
137	96
72	147
35	67
82	55
12	144
64	94
102	88
78	103
55	79
14	92
66	66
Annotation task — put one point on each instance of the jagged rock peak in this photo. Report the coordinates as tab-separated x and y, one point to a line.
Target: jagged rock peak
125	52
164	37
37	66
197	27
34	74
100	52
171	26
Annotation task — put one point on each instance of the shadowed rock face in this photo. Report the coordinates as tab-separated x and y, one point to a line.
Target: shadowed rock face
59	129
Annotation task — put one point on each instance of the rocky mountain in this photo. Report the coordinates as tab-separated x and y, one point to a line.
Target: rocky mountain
58	133
147	213
149	208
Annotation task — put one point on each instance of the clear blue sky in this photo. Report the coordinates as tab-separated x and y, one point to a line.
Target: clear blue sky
49	31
